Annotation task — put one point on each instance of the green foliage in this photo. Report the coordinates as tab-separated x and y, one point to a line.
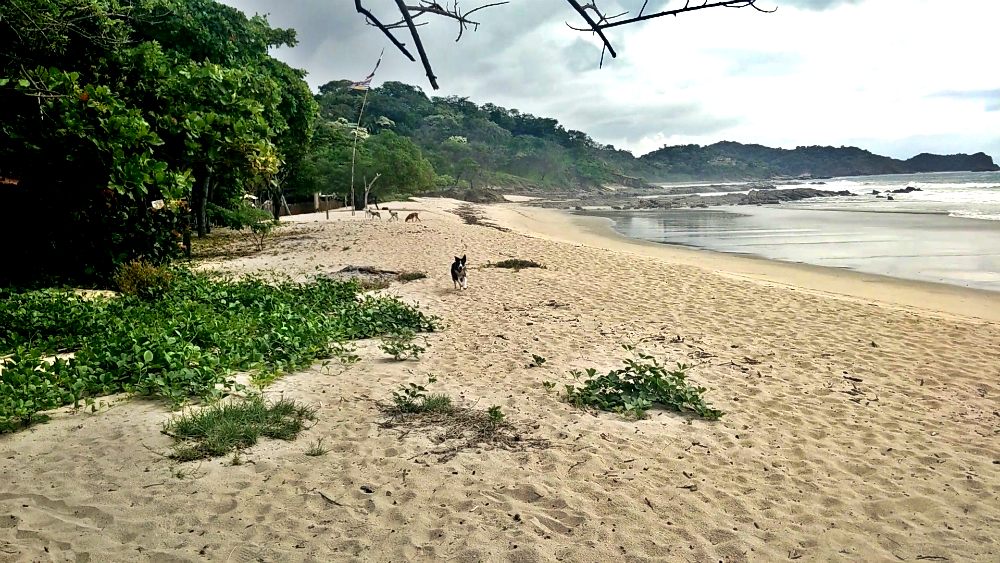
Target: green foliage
110	107
185	344
411	398
436	403
227	427
549	386
515	264
257	223
633	389
495	415
536	361
317	449
142	279
400	345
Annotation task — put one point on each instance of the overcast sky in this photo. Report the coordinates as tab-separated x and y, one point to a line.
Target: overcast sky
897	77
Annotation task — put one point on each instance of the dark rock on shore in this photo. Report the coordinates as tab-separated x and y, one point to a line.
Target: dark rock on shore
473	195
794	194
906	190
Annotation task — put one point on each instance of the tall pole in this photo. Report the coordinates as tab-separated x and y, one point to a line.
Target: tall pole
354	154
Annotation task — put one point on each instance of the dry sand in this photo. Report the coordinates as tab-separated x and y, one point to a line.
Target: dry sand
806	465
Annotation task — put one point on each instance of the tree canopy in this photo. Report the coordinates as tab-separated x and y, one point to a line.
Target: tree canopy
109	105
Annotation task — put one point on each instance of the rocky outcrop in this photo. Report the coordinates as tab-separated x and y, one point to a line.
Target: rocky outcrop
766	197
472	195
979	162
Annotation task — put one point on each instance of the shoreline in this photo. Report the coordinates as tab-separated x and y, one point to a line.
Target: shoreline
597	232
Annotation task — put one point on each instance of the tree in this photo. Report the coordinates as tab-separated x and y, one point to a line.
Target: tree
596	20
108	107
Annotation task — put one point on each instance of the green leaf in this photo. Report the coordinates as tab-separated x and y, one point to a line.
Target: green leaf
24	83
147	356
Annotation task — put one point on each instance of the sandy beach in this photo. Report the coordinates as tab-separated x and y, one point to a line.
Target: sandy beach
862	421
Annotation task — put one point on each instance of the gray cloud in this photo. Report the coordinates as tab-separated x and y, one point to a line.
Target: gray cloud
990	98
634	123
521	57
749	62
817	5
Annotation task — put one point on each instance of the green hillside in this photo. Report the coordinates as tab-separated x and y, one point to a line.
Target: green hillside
419	143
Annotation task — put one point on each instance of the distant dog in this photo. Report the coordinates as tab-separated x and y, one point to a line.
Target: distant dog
393	216
413	217
458	273
372	214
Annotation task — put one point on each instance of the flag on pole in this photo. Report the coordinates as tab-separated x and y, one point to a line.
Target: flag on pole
366	83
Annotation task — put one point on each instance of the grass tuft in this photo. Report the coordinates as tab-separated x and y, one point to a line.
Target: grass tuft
317	449
515	264
411	276
372	283
436	403
454	428
228	427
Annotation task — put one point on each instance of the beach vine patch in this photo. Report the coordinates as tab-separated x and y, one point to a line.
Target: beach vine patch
635	388
57	348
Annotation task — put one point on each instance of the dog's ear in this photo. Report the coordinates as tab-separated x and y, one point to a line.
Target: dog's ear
463	259
457	260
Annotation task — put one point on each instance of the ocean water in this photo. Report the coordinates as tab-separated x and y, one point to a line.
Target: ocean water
972	195
949	232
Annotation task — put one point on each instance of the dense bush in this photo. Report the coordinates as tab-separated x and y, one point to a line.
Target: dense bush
184	344
142	279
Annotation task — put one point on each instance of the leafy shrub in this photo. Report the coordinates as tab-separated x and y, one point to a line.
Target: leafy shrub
515	264
536	361
223	428
185	344
244	217
495	415
142	279
89	234
412	398
633	389
400	345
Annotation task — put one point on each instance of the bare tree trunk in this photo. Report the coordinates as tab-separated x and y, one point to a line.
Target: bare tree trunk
187	238
201	201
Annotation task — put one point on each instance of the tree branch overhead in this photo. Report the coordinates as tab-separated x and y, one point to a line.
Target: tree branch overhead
597	21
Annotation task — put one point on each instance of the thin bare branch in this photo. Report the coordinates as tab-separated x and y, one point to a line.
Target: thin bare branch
372	20
596	20
688	8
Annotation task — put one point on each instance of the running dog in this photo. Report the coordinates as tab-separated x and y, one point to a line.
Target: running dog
372	214
393	216
413	217
458	273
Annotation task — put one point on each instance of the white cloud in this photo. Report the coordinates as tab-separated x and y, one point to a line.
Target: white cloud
898	76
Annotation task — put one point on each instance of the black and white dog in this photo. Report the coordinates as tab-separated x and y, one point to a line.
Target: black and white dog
458	273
